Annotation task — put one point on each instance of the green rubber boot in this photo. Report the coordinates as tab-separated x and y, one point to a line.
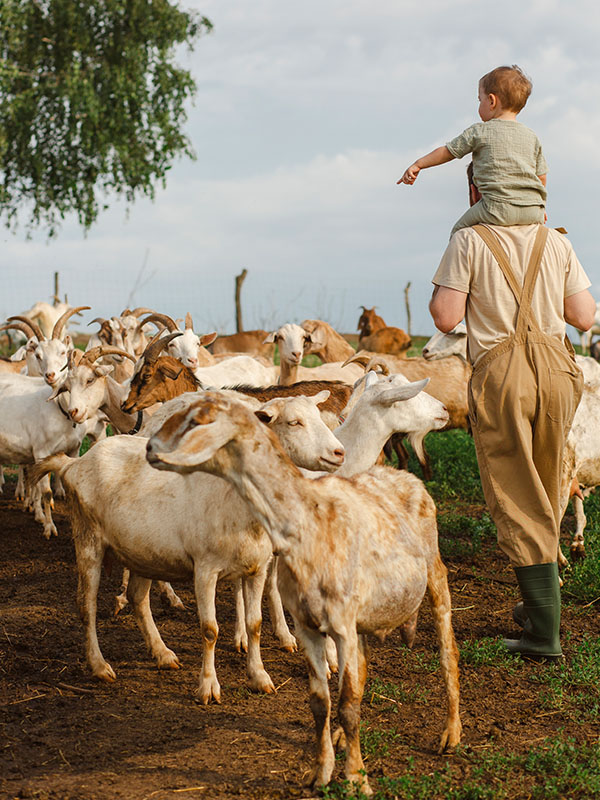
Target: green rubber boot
540	590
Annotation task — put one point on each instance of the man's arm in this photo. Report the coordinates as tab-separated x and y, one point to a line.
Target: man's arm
447	307
580	310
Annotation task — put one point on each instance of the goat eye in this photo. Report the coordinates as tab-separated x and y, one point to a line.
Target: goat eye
294	422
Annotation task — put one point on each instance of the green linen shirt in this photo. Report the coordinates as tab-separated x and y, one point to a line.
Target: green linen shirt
507	159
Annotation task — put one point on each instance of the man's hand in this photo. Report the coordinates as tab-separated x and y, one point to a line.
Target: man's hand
410	175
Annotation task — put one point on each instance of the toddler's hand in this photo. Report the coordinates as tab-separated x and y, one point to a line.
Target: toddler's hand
410	176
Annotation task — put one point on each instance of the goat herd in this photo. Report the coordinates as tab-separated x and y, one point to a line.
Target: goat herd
227	464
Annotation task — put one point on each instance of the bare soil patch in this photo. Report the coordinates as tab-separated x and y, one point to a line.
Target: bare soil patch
65	736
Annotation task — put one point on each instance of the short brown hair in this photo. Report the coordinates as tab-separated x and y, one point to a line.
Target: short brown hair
509	84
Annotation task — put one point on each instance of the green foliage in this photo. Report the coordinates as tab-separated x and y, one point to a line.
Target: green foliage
91	103
487	652
558	769
378	692
454	467
461	536
583	581
573	686
375	742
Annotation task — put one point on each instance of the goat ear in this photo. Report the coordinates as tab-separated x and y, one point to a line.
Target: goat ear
403	392
58	390
101	370
170	372
371	378
208	338
266	415
20	353
270	338
199	445
321	397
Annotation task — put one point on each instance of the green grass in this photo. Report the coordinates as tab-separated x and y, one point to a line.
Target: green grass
558	769
378	692
574	685
582	583
487	652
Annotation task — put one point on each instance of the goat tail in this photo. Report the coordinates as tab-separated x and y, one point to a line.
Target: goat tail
54	463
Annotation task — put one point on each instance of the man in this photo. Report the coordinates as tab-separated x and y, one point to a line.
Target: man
517	286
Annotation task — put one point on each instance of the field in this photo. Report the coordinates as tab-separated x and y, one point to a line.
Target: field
530	730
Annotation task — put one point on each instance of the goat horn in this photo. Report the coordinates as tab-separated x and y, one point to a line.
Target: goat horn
163	319
157	345
61	321
99	320
189	325
137	312
35	328
102	350
368	362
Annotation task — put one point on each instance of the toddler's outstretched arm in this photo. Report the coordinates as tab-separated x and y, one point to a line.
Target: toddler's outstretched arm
441	155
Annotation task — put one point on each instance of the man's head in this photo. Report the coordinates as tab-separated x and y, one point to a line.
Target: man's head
509	85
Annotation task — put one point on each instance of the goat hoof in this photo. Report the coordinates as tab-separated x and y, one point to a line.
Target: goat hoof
241	644
208	690
450	738
577	552
120	603
105	673
261	682
168	660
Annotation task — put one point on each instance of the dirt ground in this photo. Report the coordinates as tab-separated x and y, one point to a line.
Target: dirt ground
65	736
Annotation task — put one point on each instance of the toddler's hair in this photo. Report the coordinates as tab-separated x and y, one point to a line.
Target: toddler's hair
509	84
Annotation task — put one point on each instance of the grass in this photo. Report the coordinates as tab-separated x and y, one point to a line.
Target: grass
574	685
378	692
558	769
487	652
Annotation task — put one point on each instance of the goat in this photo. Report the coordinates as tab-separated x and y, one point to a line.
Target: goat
392	341
453	343
325	342
49	355
293	341
369	322
46	315
32	428
168	527
189	348
586	336
250	342
355	556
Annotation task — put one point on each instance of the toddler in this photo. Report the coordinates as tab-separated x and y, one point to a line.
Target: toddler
509	168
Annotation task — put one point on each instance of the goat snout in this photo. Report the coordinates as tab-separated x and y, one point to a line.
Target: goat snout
50	377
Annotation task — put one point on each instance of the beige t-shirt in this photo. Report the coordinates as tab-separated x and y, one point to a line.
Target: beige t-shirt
468	266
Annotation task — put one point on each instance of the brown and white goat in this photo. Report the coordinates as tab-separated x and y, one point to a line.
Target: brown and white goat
356	556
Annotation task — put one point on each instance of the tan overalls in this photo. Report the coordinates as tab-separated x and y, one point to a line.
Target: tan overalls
522	398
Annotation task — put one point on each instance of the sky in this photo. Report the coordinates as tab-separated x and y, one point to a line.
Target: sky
305	117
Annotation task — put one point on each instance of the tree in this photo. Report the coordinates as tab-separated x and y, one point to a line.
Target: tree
91	103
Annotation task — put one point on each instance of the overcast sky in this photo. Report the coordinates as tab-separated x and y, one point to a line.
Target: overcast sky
306	116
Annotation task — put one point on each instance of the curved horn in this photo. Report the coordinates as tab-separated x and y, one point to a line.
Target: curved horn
19	327
189	325
99	320
163	319
368	361
35	328
102	350
61	321
137	312
157	345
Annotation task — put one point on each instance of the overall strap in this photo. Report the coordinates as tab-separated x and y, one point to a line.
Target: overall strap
523	294
533	269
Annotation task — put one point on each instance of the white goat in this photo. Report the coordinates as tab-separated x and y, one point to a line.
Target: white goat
356	556
166	527
293	342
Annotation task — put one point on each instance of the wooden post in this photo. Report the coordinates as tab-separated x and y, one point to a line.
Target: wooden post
56	295
408	324
239	279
